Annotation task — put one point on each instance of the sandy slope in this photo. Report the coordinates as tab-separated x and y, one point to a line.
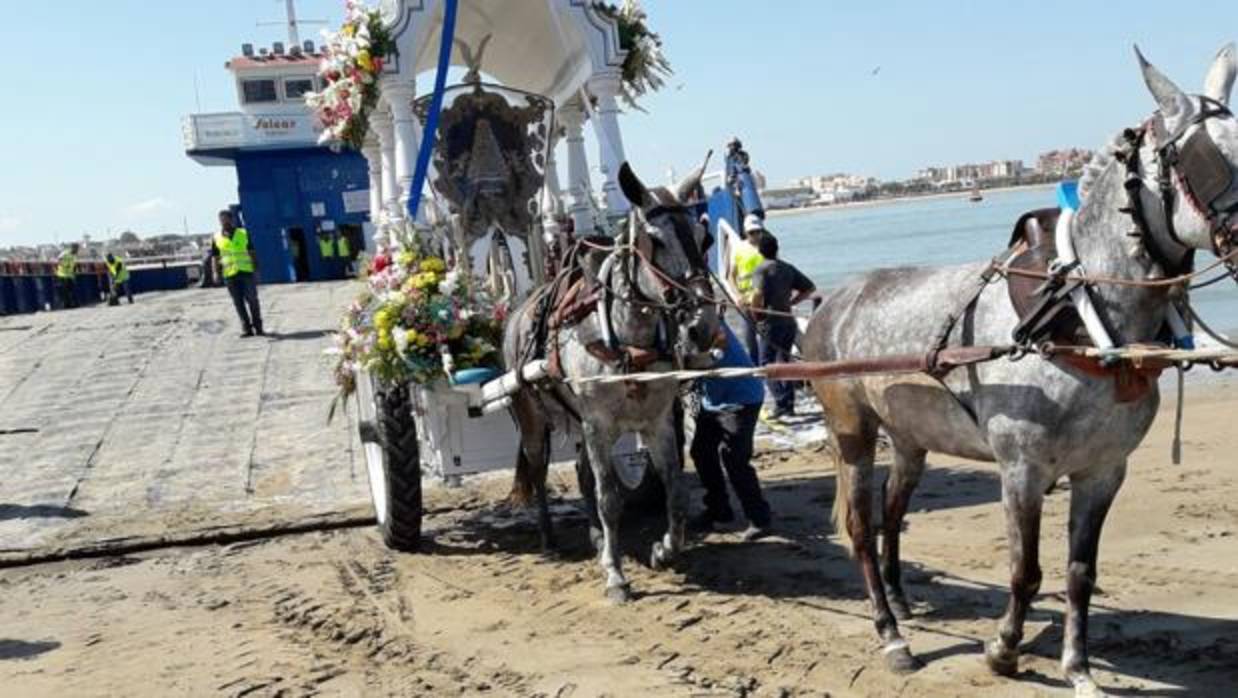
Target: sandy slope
480	612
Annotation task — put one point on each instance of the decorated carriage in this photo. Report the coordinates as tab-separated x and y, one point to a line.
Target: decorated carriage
420	347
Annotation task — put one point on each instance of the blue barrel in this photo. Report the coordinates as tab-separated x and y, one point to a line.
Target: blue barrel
8	295
44	287
23	294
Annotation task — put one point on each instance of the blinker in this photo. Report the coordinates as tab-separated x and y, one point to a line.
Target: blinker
1205	168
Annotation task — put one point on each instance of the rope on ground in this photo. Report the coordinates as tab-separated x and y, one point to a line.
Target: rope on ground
185	539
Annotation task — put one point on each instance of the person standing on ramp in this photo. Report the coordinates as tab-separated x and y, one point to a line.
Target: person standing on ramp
238	266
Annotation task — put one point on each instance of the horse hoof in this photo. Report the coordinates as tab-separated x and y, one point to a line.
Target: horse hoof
658	558
1001	661
1085	687
620	594
900	660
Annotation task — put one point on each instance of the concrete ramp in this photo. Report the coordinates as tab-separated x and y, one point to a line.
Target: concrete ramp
157	418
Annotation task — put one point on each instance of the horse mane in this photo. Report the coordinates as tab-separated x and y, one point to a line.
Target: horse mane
1101	160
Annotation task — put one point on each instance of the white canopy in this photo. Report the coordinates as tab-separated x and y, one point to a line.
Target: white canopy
550	47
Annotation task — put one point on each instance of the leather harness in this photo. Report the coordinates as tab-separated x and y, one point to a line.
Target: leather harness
1046	312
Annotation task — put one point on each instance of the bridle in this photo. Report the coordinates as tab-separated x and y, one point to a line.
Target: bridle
1201	173
680	297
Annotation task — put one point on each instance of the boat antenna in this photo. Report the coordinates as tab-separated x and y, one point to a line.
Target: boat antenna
291	21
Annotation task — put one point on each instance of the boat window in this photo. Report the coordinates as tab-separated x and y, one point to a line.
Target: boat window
255	91
295	88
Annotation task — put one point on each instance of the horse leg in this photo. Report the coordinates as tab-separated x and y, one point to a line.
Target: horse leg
588	494
1022	498
533	464
856	437
664	449
610	509
904	476
541	461
1090	497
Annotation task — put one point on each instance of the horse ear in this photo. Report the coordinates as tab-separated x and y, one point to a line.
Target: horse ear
689	190
1173	103
1220	80
686	190
632	187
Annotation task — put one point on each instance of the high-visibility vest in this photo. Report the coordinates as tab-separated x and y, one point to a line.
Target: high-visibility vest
118	270
326	248
344	249
234	254
66	268
747	259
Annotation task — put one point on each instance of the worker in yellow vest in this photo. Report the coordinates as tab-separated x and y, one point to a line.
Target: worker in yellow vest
237	264
66	276
344	250
326	253
745	258
118	280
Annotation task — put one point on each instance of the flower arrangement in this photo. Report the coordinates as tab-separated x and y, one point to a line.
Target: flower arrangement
415	318
352	62
645	68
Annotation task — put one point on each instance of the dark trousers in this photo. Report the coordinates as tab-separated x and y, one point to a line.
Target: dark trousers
243	288
67	290
113	296
752	344
777	339
724	440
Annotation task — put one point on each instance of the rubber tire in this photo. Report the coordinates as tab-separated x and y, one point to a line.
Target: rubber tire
396	432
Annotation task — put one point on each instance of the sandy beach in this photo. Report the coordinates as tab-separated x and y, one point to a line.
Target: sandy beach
481	612
777	213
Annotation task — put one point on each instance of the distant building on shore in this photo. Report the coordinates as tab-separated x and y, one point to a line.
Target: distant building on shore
787	197
1063	163
834	188
971	172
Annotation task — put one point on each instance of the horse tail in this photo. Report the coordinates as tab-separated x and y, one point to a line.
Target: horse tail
841	512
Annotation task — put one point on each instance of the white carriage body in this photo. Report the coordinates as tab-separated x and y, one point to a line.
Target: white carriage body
562	50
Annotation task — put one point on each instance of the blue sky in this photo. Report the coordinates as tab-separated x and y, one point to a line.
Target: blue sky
96	90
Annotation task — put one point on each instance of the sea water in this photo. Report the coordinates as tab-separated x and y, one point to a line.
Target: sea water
831	244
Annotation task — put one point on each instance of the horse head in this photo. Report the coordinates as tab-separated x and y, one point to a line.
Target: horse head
1195	138
669	264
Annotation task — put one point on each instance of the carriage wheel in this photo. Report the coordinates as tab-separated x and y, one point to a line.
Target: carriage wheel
393	460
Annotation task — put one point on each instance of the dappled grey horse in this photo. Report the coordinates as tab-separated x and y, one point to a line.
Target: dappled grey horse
655	294
1038	418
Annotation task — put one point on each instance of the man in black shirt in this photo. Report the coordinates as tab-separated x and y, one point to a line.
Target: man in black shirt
777	287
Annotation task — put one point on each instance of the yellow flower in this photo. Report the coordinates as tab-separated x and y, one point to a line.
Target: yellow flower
363	60
433	264
406	258
348	30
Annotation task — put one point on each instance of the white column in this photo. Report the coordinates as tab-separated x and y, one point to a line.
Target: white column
399	94
373	153
578	188
605	87
385	130
551	202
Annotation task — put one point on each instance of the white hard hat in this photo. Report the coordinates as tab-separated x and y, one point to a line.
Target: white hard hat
753	223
